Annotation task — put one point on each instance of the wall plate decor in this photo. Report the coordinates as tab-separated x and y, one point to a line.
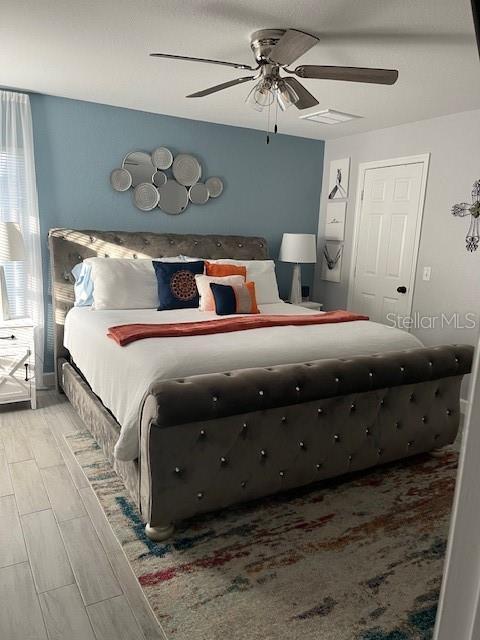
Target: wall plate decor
335	221
160	180
121	179
339	177
162	158
464	209
214	186
186	169
145	196
173	197
139	165
332	261
198	193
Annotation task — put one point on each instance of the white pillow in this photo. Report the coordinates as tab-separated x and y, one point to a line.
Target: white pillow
207	301
176	259
262	273
123	283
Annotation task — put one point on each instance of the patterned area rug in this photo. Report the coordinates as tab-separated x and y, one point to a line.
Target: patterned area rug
354	559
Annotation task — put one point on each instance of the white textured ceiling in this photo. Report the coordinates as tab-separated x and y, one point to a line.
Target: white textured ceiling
98	51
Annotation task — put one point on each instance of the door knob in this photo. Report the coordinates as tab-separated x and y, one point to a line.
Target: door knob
402	289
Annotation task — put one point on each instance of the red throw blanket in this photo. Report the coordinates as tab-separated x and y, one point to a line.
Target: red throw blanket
123	334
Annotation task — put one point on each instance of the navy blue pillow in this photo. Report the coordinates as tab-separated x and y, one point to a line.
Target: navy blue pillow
225	300
177	288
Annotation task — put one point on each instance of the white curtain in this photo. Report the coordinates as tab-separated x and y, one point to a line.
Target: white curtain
18	203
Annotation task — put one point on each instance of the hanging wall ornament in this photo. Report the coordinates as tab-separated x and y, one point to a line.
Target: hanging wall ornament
464	209
332	261
160	180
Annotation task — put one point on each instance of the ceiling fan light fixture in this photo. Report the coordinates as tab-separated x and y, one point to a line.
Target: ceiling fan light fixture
286	95
261	96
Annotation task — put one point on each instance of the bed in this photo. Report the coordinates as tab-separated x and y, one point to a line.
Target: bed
206	422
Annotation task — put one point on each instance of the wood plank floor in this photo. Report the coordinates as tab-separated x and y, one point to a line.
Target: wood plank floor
63	573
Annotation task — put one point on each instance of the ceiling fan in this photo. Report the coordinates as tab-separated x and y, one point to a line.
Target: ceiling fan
274	51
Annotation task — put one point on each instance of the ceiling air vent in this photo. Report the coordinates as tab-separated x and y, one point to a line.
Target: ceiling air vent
329	116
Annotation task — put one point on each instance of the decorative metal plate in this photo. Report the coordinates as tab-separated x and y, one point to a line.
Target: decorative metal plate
214	186
159	178
145	196
186	169
162	158
121	179
139	164
198	193
173	197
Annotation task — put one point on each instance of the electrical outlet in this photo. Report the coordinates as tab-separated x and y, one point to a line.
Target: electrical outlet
427	272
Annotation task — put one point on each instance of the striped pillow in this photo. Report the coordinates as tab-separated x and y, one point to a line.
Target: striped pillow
231	299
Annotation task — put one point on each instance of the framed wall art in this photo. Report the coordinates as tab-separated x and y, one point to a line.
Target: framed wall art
338	180
335	221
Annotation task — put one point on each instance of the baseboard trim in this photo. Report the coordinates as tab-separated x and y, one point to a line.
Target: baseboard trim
463	406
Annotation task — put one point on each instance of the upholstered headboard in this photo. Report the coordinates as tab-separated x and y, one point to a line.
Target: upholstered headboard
68	247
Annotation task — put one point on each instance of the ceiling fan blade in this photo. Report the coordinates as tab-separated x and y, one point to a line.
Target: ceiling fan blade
291	46
305	98
220	87
235	65
476	20
348	74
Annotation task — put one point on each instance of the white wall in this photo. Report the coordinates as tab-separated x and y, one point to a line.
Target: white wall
454	144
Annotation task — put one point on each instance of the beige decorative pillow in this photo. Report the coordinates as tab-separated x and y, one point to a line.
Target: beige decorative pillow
207	302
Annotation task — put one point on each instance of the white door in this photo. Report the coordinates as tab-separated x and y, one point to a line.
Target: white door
386	248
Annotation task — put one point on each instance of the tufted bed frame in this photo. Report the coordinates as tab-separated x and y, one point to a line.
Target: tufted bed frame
213	440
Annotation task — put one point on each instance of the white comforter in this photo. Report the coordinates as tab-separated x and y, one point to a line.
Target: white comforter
120	376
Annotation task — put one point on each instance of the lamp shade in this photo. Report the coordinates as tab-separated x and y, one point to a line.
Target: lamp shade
11	242
298	247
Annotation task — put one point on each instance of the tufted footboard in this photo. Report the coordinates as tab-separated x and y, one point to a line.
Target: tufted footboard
210	441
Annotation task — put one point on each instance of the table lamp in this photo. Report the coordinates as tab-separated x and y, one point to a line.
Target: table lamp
11	250
299	248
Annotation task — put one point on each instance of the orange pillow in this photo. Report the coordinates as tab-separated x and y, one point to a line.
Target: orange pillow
220	269
253	298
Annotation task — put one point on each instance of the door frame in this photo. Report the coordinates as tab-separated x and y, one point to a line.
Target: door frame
363	167
459	604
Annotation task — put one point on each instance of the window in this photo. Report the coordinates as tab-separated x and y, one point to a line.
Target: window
18	203
12	203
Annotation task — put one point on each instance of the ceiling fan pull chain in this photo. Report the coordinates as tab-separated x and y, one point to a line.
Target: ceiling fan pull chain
268	125
275	128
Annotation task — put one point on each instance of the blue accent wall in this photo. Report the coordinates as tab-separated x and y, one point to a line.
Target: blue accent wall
269	189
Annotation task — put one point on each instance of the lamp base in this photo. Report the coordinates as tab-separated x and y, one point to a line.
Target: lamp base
296	290
4	306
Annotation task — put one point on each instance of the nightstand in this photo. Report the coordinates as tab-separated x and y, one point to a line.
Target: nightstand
17	362
316	306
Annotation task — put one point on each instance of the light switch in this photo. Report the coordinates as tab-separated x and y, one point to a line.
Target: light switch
427	272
